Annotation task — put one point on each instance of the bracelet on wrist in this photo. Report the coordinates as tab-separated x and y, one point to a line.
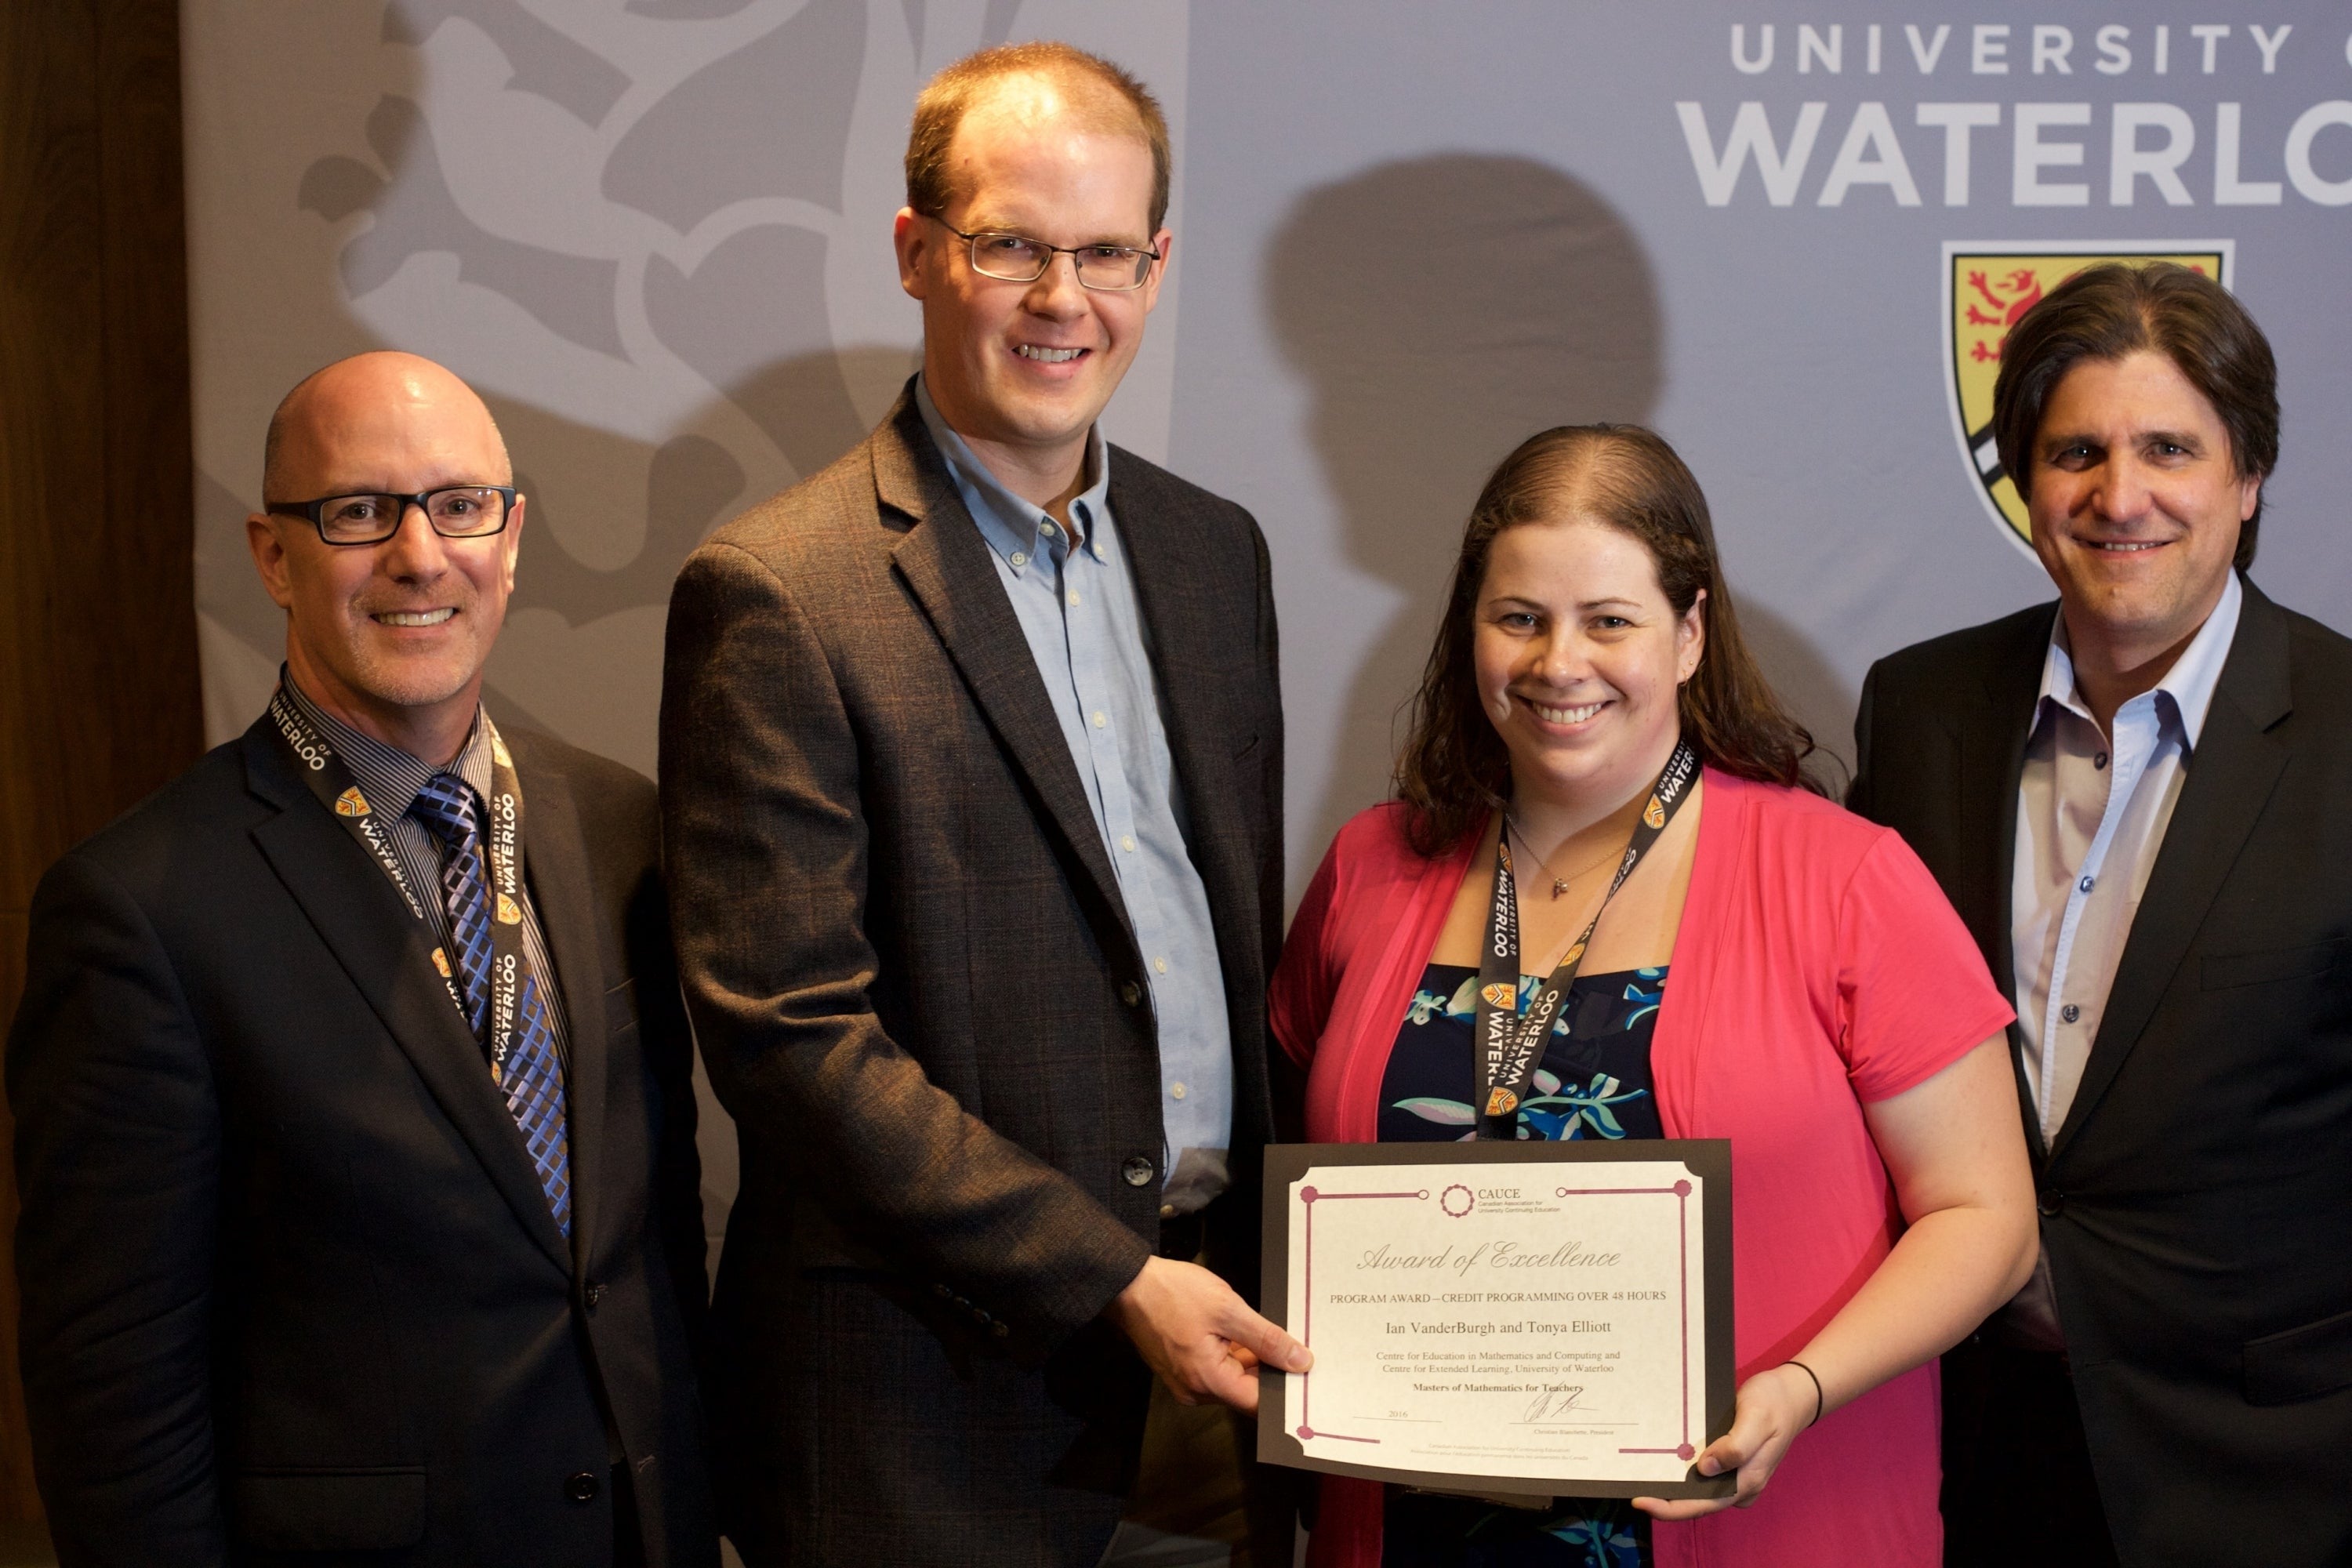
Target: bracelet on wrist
1810	1372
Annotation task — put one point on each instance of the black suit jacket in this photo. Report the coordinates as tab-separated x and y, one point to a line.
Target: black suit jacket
291	1290
917	992
2197	1202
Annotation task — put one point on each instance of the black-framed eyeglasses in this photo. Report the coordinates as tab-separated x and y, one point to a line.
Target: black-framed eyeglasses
1017	259
455	511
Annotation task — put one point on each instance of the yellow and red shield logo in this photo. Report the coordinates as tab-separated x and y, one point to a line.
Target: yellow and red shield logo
1500	995
1654	813
510	912
351	803
441	963
1987	287
1501	1102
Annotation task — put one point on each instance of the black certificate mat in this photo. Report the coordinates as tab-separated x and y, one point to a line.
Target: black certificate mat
1551	1318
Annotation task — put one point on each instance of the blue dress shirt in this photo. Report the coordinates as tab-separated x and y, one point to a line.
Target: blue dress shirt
1078	609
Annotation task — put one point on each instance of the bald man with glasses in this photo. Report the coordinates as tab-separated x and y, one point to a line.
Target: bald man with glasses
354	1131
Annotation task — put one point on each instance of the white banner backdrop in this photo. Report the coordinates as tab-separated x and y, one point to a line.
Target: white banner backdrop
656	235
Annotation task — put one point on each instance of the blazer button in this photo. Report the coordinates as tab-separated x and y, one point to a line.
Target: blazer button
1131	993
593	1294
1137	1171
1001	1331
582	1488
2050	1202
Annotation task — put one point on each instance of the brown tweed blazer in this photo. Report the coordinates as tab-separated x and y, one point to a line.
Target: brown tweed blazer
916	988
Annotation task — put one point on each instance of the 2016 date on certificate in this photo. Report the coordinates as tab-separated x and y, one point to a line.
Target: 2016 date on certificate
1531	1318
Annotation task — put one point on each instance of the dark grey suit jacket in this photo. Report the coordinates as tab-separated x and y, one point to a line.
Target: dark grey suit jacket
2197	1202
291	1290
916	987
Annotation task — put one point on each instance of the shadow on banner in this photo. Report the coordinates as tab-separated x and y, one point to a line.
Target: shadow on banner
1443	310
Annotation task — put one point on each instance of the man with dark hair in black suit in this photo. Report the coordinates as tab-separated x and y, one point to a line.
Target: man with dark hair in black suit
2137	798
353	1122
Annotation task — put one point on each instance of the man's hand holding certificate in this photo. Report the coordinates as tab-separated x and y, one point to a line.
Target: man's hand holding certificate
1550	1318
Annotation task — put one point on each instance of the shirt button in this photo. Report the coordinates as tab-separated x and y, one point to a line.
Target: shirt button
1131	993
1137	1171
1167	1211
1020	558
1176	1091
1160	965
2070	1013
1073	598
2087	883
2100	761
1127	842
1101	719
582	1488
1047	529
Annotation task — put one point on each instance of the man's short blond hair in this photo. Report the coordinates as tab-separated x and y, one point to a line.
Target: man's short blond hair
1101	88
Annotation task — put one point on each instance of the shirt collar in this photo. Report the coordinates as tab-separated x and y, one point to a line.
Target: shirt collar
1008	523
2188	687
390	777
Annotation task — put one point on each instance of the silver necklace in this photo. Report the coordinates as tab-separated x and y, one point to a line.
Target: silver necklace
1559	883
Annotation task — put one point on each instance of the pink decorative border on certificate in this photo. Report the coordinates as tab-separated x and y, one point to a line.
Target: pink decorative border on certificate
1680	1192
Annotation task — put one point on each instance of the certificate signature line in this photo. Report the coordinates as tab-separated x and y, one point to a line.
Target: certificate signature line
1551	1430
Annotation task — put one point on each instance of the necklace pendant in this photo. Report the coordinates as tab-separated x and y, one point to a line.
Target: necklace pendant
1558	887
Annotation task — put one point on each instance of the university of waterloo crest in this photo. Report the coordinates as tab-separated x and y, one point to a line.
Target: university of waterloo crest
1987	287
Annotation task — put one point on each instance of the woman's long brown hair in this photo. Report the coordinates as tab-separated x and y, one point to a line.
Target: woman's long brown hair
1454	768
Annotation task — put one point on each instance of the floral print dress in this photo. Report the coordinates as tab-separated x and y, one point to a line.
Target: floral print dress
1593	1082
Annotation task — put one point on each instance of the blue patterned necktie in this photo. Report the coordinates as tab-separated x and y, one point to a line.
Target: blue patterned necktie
534	1085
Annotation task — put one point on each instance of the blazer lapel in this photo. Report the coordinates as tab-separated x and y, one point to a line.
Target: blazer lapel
1185	631
2230	775
945	564
1991	747
556	862
365	924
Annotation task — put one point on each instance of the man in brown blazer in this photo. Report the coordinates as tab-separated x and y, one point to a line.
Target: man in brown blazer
971	761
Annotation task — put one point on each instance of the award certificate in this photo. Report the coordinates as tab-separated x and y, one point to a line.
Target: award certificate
1524	1318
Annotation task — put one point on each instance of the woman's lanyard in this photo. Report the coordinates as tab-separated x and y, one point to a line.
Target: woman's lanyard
330	778
1511	1047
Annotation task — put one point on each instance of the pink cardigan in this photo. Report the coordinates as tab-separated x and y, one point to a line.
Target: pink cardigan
1818	967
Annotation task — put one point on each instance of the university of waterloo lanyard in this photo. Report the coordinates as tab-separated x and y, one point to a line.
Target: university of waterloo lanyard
1510	1047
330	778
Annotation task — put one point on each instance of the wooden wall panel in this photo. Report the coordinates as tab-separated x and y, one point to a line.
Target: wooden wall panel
99	701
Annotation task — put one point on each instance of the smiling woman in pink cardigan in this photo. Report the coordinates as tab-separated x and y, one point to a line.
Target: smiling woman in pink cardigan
1774	971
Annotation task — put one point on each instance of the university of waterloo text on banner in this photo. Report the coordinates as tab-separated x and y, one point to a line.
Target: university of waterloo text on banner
1993	151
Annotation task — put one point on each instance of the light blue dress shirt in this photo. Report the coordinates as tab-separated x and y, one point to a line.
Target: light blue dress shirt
1076	605
2093	808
